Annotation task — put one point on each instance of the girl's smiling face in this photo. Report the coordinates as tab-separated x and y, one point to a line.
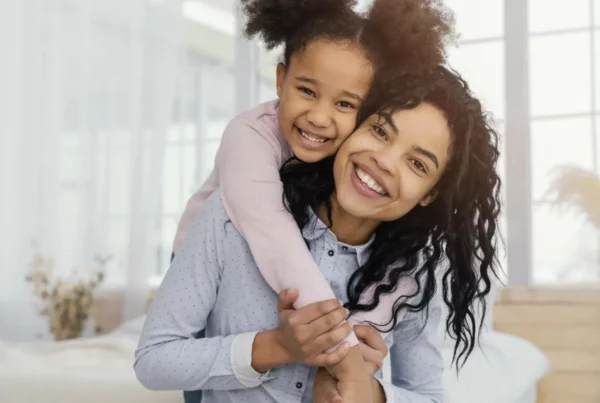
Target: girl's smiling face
320	92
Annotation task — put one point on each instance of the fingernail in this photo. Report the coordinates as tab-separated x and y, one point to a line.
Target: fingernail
345	345
341	302
347	312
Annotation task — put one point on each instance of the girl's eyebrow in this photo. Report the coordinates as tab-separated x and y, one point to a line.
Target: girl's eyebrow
316	82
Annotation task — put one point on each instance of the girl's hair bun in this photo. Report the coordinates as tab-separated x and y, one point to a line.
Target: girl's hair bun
276	21
410	33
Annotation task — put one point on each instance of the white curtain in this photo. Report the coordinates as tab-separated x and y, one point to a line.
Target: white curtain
87	93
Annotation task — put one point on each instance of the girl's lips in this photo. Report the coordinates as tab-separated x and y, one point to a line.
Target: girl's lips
310	144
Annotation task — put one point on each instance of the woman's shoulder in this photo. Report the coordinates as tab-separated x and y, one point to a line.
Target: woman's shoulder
214	208
213	214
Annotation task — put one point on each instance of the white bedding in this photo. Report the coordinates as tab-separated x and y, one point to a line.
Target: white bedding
504	369
99	370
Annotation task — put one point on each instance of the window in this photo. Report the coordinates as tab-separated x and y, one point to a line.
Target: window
267	65
478	20
205	105
560	74
596	67
207	102
479	59
555	15
564	98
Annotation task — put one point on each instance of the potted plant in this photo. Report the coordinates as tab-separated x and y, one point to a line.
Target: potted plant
66	302
577	190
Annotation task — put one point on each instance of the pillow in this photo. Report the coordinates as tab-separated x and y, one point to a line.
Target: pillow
501	370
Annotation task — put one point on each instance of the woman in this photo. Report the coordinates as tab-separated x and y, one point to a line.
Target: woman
415	183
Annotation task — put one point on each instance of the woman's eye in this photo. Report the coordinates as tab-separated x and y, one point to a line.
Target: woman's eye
378	130
419	165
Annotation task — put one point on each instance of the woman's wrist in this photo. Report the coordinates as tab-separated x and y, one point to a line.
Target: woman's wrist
268	351
378	392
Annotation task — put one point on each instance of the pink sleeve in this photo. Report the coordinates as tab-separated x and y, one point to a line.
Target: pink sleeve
248	164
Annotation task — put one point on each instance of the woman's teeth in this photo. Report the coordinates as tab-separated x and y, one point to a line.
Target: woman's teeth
311	138
369	182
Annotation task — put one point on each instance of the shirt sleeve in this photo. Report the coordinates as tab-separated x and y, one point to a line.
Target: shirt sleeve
416	360
252	191
241	361
168	356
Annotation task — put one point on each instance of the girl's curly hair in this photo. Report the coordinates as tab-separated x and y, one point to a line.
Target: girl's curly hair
454	238
406	34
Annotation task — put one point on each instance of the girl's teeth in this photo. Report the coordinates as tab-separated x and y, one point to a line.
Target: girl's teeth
311	138
369	182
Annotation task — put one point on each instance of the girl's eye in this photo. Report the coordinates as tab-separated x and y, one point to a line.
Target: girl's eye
345	104
307	91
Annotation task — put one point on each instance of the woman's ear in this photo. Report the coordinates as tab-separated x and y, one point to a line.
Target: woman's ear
428	199
280	78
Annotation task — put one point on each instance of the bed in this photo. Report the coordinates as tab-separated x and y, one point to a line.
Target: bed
505	369
91	370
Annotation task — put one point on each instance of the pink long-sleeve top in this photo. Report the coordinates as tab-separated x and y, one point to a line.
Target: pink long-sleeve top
246	170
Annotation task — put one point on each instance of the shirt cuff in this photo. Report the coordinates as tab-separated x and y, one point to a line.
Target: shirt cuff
241	361
388	389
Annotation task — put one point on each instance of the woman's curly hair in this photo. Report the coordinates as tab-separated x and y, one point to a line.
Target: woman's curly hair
394	34
454	238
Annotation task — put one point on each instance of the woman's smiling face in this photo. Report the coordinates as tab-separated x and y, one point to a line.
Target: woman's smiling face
392	162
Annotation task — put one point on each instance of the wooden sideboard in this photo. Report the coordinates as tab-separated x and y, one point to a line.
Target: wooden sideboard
565	324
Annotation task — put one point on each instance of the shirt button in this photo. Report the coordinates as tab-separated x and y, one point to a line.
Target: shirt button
344	248
299	385
330	253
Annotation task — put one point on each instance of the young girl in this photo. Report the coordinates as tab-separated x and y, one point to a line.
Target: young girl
330	56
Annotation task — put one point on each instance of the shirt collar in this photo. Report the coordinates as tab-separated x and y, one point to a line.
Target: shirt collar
315	228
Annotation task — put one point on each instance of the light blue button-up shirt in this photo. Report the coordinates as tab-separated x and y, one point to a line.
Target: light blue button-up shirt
214	284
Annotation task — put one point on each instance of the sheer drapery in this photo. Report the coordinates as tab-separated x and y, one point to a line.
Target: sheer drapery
87	93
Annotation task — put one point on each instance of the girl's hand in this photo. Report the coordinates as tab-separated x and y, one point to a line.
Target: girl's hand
308	332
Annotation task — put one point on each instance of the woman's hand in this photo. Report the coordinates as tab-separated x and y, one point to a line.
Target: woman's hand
308	332
325	388
372	347
355	379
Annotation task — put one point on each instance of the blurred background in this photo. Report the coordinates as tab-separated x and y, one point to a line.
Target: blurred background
111	113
